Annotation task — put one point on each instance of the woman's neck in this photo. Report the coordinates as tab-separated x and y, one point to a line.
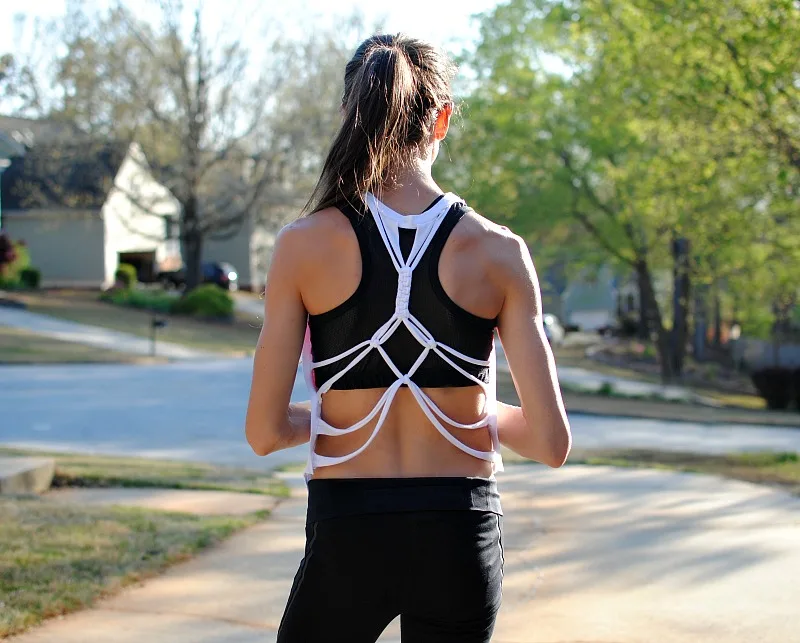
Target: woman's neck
413	190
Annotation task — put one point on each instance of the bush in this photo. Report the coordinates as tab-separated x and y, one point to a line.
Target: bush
205	301
144	299
150	300
30	278
775	385
607	389
14	258
127	275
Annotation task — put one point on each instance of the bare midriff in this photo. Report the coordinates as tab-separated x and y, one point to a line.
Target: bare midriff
407	445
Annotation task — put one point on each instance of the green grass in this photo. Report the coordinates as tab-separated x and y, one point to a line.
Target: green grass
607	389
22	347
79	470
235	338
575	356
295	467
56	559
781	469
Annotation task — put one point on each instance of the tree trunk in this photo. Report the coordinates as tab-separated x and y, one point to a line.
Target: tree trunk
680	308
717	318
192	242
644	325
654	321
700	322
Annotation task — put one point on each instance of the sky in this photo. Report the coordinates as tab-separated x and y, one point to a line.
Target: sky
443	22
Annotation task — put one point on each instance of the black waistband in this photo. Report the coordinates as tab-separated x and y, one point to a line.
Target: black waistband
335	498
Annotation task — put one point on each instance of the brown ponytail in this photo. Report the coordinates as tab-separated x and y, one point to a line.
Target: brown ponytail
394	87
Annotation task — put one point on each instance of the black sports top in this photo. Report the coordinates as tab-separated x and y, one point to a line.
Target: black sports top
357	319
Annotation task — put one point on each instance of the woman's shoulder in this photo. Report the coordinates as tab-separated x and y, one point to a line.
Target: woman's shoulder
315	227
320	236
495	243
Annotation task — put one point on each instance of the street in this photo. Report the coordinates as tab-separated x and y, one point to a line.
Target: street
195	410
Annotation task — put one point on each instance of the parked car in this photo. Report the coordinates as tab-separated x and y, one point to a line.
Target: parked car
553	330
213	272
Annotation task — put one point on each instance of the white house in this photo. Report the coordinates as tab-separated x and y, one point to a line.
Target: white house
76	203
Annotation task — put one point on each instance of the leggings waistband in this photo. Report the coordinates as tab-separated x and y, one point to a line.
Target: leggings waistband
338	497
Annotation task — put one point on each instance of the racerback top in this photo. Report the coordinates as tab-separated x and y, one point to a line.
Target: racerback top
400	328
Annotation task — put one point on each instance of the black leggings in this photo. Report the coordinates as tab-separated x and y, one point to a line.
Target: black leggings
426	549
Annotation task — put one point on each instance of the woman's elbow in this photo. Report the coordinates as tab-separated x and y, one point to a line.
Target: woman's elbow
559	449
260	439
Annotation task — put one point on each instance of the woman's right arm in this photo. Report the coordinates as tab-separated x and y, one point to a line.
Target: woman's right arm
539	430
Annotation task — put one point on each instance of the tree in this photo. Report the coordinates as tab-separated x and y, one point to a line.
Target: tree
595	140
228	143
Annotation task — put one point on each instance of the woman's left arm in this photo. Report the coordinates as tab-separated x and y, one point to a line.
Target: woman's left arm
272	423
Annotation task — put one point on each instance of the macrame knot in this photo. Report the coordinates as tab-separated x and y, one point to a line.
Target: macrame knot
403	292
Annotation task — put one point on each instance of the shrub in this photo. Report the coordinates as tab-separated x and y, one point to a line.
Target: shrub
606	388
144	299
775	385
127	275
150	300
7	252
14	258
30	277
205	301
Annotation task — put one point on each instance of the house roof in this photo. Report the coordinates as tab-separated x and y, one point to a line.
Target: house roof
30	131
62	167
9	147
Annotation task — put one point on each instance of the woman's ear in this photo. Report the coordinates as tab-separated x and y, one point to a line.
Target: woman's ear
442	122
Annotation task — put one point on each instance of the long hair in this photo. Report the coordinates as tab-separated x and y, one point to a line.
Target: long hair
394	88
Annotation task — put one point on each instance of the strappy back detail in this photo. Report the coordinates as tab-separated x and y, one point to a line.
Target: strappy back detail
389	223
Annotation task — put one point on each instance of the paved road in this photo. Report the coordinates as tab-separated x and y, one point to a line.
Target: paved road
195	410
593	554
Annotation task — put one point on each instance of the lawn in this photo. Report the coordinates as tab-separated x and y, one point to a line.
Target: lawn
55	558
236	338
742	397
779	469
22	347
79	470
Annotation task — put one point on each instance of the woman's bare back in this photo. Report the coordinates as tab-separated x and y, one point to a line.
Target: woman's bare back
470	270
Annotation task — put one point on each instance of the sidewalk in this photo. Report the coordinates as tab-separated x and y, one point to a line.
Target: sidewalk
696	409
591	382
592	554
248	304
94	335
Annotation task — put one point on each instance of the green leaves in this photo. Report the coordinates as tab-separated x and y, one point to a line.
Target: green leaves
620	125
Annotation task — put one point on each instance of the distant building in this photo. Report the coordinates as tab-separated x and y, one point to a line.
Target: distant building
76	203
84	206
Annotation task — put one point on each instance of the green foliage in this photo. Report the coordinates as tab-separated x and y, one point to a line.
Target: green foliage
208	300
14	259
126	274
602	131
30	277
156	300
606	389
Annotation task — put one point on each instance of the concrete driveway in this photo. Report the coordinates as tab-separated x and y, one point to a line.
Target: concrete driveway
593	555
